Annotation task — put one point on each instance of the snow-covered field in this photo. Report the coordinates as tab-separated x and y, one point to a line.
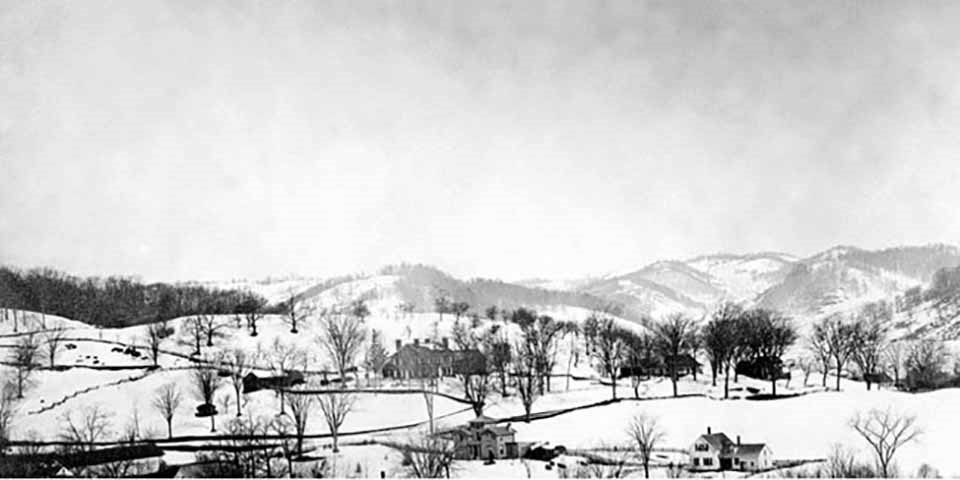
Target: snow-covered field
803	427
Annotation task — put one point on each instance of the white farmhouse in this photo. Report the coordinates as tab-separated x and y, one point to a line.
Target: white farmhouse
715	451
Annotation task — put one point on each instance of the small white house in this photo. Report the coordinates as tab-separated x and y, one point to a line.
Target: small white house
715	451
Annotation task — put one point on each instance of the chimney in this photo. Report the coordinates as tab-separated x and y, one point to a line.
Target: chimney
738	440
708	430
446	343
399	344
416	342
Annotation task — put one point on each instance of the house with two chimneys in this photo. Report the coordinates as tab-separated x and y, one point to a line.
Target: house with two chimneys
715	451
416	361
483	439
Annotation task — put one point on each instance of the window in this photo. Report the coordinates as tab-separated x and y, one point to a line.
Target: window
707	462
696	462
702	447
736	460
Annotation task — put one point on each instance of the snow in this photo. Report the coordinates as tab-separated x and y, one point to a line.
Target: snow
802	427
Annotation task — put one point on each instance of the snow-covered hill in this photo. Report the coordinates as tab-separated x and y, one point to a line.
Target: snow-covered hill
837	279
849	275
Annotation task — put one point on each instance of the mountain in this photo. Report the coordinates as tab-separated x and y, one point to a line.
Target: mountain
848	275
419	285
743	277
694	286
836	279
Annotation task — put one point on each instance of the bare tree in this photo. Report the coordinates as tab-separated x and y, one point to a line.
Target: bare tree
541	336
342	337
298	310
375	356
283	359
85	428
894	357
23	358
429	456
359	309
525	380
441	305
459	309
299	412
206	382
335	407
251	307
167	400
53	338
613	464
842	463
194	332
212	327
500	355
820	349
885	431
282	426
869	343
610	351
768	337
839	338
239	365
673	336
645	431
8	411
721	339
154	338
924	364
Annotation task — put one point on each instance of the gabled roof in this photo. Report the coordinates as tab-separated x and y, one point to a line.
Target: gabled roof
719	441
750	448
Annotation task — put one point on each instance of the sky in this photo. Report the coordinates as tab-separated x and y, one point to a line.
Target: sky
180	140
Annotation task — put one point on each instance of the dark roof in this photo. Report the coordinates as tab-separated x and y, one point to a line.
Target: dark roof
719	441
750	448
109	455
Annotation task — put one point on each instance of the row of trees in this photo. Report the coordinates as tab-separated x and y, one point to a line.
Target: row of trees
861	339
112	301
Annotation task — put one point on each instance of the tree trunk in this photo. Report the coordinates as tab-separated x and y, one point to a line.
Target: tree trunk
613	379
238	400
170	428
773	381
646	469
213	423
673	379
713	382
839	367
824	377
336	448
726	383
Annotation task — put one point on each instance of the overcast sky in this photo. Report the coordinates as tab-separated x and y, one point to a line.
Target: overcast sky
204	140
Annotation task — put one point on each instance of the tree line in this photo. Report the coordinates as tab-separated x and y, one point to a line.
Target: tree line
112	301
